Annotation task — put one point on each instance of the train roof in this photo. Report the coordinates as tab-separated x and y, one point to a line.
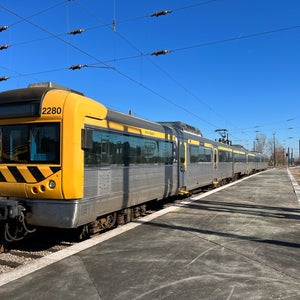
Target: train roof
183	127
48	85
128	119
175	126
29	100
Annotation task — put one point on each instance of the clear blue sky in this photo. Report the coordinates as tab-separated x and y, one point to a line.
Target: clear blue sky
233	64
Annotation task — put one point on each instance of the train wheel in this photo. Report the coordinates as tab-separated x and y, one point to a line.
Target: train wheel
111	220
125	216
136	212
128	215
143	210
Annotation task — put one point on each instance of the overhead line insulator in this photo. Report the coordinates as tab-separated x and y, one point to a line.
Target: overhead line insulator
160	52
161	13
3	28
77	67
3	78
114	25
76	31
3	47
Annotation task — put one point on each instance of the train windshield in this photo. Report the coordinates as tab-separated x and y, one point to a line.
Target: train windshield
30	143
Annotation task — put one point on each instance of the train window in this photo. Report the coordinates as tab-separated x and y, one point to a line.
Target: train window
44	143
111	148
199	154
205	154
20	110
238	157
30	143
225	156
15	144
251	158
194	153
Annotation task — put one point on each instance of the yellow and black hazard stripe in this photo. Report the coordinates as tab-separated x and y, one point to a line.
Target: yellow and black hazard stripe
26	174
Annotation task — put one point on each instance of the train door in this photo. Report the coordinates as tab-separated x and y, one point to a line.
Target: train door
216	166
182	164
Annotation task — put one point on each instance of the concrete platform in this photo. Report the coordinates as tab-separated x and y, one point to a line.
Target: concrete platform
237	242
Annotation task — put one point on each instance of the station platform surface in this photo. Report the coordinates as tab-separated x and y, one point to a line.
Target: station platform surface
241	241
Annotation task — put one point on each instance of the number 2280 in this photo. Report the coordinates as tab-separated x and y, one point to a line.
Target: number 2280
51	110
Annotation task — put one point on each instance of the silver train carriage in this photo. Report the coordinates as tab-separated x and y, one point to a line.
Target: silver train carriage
66	161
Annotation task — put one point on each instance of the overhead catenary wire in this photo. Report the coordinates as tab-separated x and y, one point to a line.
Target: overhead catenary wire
53	35
37	13
194	5
156	53
177	49
159	13
164	12
161	52
102	62
166	51
247	36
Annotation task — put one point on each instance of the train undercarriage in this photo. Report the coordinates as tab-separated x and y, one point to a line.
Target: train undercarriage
14	228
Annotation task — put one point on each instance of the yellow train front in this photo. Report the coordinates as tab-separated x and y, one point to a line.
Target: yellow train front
41	159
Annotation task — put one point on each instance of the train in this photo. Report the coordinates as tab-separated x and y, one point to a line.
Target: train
67	161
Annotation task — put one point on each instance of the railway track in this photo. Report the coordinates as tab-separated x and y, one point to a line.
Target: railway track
15	258
31	249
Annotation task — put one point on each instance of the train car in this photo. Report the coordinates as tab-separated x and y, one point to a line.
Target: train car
66	161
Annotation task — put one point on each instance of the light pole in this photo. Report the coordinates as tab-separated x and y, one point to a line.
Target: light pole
274	150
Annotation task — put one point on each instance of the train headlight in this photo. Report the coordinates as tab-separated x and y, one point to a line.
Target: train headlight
52	184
